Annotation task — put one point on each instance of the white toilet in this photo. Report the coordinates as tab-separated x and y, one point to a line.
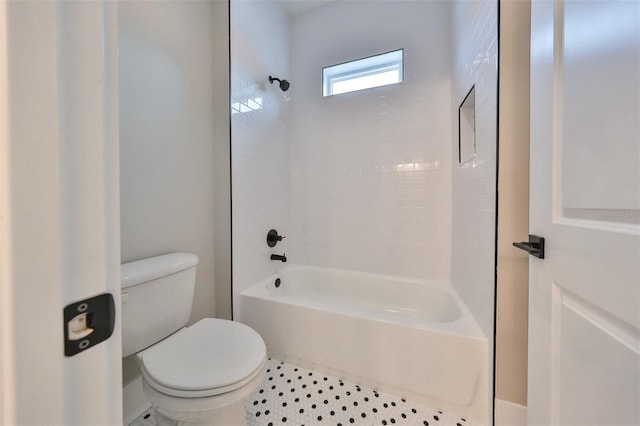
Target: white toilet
197	375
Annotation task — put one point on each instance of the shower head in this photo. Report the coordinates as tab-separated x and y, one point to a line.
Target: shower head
284	84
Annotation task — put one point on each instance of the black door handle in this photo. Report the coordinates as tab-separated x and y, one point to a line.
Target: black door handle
535	246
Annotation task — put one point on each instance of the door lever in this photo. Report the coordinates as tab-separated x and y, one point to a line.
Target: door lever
535	246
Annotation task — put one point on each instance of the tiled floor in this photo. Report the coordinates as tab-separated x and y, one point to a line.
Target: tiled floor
291	395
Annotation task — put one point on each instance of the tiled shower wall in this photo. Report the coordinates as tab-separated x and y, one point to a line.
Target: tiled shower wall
362	181
475	60
260	148
371	170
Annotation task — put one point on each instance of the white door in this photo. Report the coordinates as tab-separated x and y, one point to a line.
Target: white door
584	320
59	212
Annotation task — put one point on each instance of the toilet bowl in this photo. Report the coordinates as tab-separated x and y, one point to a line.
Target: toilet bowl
196	375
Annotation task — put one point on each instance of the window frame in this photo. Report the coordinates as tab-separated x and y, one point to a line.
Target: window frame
353	72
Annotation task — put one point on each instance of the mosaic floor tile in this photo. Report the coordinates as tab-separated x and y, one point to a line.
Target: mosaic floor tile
291	395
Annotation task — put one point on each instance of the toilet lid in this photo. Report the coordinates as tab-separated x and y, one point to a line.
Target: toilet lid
211	354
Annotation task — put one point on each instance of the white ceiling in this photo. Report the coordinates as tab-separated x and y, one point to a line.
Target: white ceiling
296	7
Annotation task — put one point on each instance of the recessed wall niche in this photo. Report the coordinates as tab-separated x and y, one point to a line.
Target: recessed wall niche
467	127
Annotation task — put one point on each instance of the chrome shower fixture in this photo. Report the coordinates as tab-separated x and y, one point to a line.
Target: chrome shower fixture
284	84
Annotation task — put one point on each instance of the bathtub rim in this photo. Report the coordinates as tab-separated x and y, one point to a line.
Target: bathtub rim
465	326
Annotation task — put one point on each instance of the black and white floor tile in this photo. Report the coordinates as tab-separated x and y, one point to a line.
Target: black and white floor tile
291	395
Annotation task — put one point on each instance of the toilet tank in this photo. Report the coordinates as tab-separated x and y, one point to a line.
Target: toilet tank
157	294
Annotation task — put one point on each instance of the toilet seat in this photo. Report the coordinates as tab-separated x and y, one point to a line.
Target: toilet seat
212	357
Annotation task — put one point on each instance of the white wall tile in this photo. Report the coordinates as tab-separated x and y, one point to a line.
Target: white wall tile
475	62
371	170
260	145
474	33
364	180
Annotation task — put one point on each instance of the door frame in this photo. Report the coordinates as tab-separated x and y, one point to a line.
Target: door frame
512	267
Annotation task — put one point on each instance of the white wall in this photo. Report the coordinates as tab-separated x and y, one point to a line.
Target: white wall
474	32
371	170
167	137
260	146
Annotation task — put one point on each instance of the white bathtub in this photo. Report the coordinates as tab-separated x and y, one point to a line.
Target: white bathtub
409	338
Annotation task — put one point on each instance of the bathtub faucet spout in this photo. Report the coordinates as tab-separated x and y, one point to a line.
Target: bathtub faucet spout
282	258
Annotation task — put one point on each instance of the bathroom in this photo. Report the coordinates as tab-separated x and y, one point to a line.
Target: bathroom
364	182
377	194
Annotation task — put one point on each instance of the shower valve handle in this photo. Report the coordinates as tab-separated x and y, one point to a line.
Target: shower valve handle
273	238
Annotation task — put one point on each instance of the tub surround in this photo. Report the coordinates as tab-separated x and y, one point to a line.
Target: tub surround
414	339
371	169
260	140
339	175
474	45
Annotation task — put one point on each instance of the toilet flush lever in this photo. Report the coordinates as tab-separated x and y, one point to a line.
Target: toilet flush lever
88	322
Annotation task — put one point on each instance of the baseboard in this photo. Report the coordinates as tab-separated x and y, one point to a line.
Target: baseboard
134	401
510	414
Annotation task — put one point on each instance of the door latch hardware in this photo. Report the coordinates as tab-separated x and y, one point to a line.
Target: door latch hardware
88	322
535	246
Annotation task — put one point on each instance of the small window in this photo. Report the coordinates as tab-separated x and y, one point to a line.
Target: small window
374	71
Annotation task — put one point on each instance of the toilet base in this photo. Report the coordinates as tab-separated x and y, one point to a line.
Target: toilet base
224	409
233	414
